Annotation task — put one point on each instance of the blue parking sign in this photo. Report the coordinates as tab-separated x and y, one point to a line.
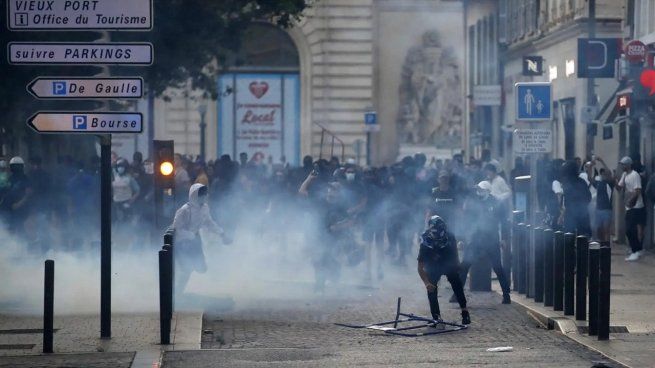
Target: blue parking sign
59	88
370	118
534	101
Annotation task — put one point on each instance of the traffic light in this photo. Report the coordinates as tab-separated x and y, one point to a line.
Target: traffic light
164	165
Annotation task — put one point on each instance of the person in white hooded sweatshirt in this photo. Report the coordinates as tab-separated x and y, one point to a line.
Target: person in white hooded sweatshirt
189	219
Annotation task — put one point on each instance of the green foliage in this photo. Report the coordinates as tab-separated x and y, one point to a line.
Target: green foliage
192	39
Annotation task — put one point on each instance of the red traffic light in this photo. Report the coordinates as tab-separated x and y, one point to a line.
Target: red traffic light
647	79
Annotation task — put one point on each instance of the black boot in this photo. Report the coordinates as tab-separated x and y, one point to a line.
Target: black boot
506	299
466	318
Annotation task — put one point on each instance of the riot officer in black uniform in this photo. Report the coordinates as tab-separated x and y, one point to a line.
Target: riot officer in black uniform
438	256
485	215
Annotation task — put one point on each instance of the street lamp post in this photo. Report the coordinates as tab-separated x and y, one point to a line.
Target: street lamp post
202	109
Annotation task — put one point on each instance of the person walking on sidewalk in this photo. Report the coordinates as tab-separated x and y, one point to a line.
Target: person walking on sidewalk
635	212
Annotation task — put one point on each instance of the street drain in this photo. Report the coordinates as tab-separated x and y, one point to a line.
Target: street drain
613	329
16	346
23	331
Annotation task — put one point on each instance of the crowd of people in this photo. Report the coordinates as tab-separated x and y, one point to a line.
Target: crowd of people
349	214
577	196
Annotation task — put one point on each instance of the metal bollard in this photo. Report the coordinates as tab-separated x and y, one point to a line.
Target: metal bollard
169	240
516	235
558	272
549	240
594	273
569	274
529	235
539	265
48	306
165	306
521	258
604	280
582	256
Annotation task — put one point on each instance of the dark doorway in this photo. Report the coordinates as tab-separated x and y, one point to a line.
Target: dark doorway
568	118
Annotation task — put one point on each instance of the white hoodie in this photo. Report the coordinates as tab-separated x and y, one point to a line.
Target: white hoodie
193	216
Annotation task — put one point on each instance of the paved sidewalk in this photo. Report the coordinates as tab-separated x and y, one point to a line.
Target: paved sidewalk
631	302
287	332
77	340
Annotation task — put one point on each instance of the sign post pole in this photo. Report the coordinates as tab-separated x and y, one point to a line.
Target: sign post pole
105	236
370	125
132	15
591	92
534	104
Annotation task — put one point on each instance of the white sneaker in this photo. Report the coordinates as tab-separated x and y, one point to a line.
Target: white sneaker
633	257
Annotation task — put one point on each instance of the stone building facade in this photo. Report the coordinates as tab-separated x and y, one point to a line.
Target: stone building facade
400	58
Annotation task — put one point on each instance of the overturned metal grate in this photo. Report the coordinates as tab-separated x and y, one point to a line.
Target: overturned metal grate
613	329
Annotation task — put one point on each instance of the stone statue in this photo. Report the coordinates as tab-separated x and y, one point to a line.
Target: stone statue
430	99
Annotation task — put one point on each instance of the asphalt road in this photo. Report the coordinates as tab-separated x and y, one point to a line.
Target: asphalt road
297	332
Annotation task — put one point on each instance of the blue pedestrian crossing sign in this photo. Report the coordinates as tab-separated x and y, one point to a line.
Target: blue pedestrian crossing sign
534	101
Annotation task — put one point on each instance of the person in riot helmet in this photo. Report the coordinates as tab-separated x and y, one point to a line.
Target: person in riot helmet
438	256
189	219
486	216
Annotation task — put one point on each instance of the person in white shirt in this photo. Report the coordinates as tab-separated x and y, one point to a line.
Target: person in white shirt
502	193
635	212
499	188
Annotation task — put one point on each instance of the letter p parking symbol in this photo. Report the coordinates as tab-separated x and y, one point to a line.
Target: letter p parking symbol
59	88
79	122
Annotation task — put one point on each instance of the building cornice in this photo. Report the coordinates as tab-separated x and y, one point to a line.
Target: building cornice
566	32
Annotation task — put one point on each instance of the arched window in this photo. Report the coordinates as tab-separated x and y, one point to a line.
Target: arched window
265	46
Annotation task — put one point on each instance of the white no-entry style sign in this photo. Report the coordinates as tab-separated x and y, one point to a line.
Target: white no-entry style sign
86	122
39	15
82	88
533	141
136	53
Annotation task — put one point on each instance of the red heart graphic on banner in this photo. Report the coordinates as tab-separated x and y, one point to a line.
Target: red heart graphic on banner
258	89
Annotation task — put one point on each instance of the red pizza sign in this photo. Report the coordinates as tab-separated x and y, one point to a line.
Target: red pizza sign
635	51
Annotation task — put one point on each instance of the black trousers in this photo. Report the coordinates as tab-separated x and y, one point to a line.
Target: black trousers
488	251
455	283
633	218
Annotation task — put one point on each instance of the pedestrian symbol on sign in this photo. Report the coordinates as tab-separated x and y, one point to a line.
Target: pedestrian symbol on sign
528	100
533	101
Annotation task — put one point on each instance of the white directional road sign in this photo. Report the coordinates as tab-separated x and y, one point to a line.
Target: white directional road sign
38	15
533	141
65	88
136	53
86	122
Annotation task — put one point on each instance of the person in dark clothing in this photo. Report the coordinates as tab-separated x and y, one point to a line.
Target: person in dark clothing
604	185
15	203
576	198
485	216
400	210
373	228
446	202
438	256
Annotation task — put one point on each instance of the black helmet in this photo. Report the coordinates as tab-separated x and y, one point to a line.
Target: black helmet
437	227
